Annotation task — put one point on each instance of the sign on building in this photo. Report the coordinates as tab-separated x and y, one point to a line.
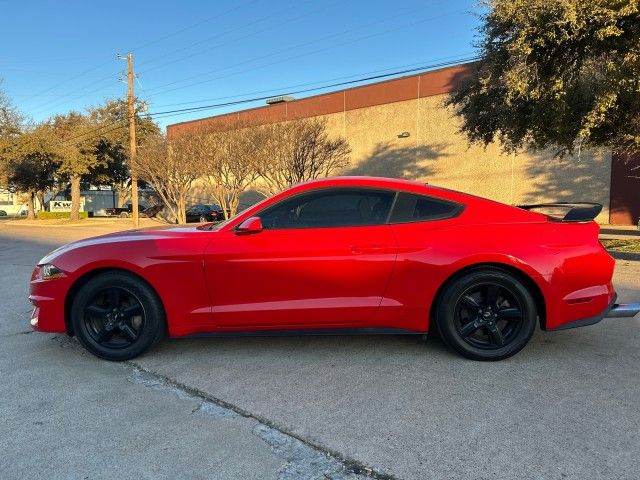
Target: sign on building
63	206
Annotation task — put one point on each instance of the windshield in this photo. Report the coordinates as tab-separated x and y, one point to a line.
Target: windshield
256	207
218	225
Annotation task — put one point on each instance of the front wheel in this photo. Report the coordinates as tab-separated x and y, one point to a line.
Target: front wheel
117	316
486	315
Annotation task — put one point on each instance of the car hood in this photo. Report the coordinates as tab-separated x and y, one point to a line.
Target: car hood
127	236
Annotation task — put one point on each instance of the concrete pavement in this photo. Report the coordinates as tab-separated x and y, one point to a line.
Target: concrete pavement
66	414
565	407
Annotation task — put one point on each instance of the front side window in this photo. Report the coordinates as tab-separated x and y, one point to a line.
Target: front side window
330	208
410	207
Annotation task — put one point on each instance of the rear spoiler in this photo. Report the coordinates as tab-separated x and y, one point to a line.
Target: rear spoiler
573	212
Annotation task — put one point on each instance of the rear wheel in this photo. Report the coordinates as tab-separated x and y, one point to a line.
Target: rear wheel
203	219
124	215
486	315
117	316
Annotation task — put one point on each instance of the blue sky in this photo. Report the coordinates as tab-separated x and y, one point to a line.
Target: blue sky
61	56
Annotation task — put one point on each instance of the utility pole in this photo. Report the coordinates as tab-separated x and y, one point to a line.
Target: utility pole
132	143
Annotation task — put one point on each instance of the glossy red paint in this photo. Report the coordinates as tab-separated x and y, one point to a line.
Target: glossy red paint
387	276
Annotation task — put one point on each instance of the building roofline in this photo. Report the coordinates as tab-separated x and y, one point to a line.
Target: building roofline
419	85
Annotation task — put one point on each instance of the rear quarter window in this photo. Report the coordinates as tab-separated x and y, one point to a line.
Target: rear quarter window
411	207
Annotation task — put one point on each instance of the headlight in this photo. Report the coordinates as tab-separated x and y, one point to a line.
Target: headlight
47	271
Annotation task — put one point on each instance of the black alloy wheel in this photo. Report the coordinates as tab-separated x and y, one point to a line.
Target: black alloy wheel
486	314
117	316
114	317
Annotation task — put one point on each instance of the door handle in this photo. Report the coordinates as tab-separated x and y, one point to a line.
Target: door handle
366	249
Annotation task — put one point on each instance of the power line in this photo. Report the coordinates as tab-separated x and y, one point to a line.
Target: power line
218	35
62	99
102	79
233	40
107	81
287	58
178	112
282	60
122	123
350	82
311	42
197	24
458	59
70	79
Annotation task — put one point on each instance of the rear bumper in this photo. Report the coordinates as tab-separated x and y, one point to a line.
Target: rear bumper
613	310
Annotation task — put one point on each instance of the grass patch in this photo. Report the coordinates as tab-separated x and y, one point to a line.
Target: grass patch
630	246
58	215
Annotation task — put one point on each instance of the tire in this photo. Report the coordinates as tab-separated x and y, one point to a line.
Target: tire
203	219
124	215
486	314
137	324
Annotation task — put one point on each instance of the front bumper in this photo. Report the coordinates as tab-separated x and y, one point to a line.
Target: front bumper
47	298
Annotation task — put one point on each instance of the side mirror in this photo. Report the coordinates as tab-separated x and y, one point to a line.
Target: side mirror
250	225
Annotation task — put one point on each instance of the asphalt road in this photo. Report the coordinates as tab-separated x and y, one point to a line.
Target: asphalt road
565	407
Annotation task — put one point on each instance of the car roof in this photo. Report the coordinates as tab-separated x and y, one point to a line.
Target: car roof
476	209
380	182
362	180
496	208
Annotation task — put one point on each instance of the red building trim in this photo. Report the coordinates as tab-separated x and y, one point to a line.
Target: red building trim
436	82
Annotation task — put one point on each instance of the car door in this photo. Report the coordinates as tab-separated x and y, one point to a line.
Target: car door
322	260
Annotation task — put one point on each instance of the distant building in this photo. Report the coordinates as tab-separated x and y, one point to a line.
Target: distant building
401	128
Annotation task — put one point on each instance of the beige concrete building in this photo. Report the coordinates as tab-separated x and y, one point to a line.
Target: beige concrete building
402	128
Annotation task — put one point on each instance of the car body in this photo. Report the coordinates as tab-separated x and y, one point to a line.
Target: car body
204	213
347	254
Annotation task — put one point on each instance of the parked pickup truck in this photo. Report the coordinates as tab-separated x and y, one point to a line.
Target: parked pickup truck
127	210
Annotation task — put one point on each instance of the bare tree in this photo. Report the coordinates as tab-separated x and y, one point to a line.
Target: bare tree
298	151
171	167
228	160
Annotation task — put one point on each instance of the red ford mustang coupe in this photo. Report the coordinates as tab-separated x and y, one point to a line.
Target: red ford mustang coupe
341	255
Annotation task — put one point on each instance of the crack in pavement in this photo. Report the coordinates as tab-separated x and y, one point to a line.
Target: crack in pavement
303	462
25	332
303	459
205	407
